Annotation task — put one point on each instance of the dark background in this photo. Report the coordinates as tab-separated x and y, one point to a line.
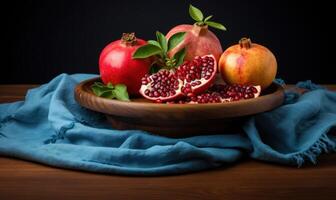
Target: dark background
45	38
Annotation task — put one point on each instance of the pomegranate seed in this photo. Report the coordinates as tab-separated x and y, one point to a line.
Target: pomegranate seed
254	90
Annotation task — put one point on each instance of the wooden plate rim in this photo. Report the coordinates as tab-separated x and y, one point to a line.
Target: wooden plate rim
87	99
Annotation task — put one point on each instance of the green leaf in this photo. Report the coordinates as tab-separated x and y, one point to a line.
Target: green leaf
175	39
108	94
109	85
179	56
96	90
120	92
147	51
99	88
109	91
162	40
216	25
207	18
155	43
99	84
195	13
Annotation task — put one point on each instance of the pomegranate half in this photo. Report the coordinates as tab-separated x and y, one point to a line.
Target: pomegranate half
191	78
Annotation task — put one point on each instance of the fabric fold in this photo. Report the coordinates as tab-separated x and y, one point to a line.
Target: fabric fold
51	128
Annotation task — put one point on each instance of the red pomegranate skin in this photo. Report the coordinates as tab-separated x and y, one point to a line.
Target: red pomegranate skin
117	66
199	41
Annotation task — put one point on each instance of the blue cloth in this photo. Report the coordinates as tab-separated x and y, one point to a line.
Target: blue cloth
51	128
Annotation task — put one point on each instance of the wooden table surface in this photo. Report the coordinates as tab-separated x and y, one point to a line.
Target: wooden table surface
248	179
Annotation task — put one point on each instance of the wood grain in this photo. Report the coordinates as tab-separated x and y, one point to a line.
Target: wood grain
10	93
247	180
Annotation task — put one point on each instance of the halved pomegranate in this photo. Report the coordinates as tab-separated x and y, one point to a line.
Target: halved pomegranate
220	93
189	79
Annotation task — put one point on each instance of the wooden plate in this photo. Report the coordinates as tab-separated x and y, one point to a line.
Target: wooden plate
176	120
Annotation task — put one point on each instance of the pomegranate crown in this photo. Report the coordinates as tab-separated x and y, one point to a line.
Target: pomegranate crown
128	38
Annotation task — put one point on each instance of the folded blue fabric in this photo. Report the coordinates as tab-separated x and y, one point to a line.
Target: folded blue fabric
51	128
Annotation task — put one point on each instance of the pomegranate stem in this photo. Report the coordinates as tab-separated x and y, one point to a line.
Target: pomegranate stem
245	43
199	29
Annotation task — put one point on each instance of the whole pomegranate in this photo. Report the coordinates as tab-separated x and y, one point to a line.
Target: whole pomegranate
248	64
189	79
116	65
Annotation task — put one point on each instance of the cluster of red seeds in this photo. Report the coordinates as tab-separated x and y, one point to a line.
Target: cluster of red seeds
191	73
164	84
220	93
